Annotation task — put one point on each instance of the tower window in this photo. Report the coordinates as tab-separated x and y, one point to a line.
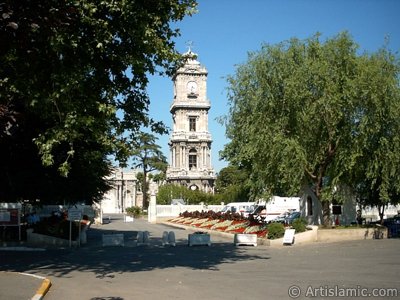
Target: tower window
309	206
192	159
192	123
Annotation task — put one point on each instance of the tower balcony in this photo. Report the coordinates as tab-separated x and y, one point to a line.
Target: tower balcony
198	173
191	136
184	104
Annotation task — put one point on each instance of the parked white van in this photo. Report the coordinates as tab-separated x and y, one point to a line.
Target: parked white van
269	210
238	207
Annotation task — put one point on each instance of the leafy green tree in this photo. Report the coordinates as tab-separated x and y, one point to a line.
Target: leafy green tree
306	112
376	177
23	176
231	185
148	157
78	71
160	177
170	191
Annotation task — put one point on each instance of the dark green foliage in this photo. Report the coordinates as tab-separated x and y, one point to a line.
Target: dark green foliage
67	68
275	231
168	192
231	185
300	225
133	211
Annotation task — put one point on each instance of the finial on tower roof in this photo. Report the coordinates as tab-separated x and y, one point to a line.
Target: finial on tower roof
189	44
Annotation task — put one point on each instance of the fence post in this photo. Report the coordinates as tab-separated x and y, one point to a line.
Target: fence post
152	211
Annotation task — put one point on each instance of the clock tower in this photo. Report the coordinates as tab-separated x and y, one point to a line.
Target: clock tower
190	141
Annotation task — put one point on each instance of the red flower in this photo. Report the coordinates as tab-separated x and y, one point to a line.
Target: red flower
238	230
262	233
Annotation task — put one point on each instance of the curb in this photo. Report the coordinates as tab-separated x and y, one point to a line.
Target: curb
21	249
43	289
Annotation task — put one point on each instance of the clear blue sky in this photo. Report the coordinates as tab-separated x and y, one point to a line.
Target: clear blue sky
224	31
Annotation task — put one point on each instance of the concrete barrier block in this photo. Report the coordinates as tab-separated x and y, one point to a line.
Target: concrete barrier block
139	237
113	240
245	239
146	237
171	238
198	239
165	238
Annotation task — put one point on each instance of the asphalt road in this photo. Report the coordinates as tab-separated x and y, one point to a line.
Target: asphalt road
221	271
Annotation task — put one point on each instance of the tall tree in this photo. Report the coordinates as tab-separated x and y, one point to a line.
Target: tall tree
73	65
170	191
376	178
232	184
148	157
300	113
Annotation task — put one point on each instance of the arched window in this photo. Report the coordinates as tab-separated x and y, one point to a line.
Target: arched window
192	159
192	123
309	206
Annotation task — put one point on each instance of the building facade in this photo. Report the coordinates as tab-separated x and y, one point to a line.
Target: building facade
124	192
190	141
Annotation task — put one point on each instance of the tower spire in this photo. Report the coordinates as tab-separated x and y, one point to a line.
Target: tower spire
189	45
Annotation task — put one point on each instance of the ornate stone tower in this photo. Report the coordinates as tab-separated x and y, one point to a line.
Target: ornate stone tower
190	141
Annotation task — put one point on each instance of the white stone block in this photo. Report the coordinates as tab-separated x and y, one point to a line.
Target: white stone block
171	238
139	238
164	238
113	239
245	239
128	219
146	237
199	239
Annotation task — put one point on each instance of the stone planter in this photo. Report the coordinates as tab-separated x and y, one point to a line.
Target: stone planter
245	239
128	219
199	239
45	240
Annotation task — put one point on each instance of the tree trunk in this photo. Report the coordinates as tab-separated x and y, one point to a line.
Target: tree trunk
326	213
326	205
381	210
144	190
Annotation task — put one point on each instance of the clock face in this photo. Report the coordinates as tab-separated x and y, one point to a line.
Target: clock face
192	87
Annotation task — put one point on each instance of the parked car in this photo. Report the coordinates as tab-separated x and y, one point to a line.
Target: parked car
292	216
259	213
237	207
281	218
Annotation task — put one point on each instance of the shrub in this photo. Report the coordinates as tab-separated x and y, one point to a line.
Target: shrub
57	228
275	231
133	211
300	224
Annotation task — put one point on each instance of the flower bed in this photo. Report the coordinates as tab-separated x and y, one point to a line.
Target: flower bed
228	222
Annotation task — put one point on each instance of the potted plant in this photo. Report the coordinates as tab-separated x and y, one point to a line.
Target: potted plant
132	213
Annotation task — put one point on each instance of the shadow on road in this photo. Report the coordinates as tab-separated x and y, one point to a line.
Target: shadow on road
106	261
